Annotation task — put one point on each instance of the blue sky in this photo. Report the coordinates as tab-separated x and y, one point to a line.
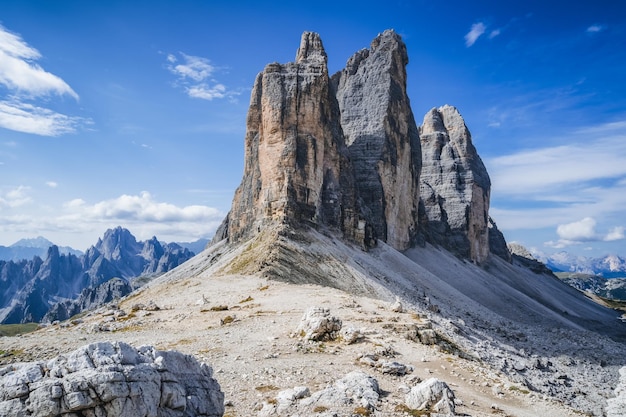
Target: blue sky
133	113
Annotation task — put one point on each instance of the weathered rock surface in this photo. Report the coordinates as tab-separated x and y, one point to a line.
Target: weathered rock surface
111	379
356	388
382	137
318	324
617	405
88	299
345	153
29	288
433	395
455	186
295	170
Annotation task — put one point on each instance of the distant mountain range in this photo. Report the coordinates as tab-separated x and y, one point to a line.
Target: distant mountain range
610	266
29	248
31	287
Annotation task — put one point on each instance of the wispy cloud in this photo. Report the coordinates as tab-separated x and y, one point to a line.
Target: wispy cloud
195	75
595	28
24	117
15	197
52	184
557	186
26	80
475	32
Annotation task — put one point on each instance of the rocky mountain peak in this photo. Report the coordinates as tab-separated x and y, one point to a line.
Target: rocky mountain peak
311	49
344	152
455	186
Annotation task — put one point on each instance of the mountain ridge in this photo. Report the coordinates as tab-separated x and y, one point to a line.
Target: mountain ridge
32	287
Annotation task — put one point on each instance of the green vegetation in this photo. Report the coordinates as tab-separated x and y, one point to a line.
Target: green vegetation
362	411
15	329
266	388
518	389
402	408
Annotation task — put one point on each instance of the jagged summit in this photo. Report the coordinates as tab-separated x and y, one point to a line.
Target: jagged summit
311	48
455	185
344	153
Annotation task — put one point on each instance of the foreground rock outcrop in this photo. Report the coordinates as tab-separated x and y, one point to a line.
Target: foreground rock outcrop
111	379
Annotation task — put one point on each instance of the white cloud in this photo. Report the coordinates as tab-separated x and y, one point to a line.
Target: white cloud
475	32
494	33
25	81
79	223
143	215
16	197
544	173
581	231
616	233
27	118
52	184
553	188
595	28
195	75
19	72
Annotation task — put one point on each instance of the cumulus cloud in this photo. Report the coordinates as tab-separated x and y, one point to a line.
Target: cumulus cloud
79	223
616	233
475	32
26	80
195	75
578	190
583	231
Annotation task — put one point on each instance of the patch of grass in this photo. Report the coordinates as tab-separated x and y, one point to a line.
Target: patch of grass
245	300
126	317
130	328
320	409
267	388
219	308
263	288
402	408
362	411
12	352
15	329
227	320
518	389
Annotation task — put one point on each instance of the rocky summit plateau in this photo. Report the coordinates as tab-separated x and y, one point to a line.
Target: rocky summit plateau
358	273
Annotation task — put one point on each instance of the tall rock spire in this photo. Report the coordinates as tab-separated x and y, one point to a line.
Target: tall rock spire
382	137
345	153
455	186
295	170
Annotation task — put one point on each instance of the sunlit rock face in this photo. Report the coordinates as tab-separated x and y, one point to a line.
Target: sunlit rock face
295	167
344	152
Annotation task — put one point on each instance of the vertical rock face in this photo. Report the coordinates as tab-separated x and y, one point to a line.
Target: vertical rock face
346	153
294	167
455	186
382	137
